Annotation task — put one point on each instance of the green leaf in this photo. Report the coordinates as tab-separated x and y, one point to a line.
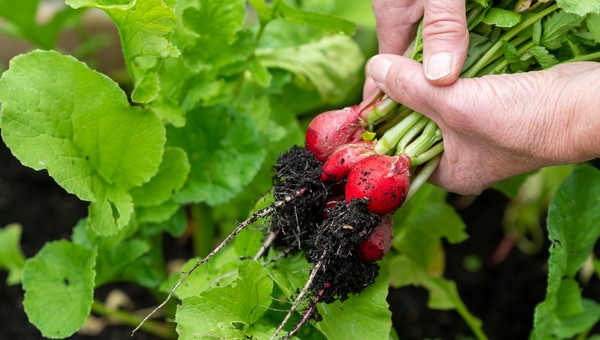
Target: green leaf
11	256
543	57
574	227
59	286
265	13
363	316
171	176
104	4
114	252
330	64
144	27
215	26
219	271
423	222
578	324
290	274
224	152
317	20
227	312
556	27
157	213
91	141
579	7
510	186
501	17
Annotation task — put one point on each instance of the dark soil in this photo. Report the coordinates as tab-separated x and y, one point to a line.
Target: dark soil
335	244
502	295
297	177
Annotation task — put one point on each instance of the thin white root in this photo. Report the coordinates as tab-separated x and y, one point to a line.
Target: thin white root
300	296
266	244
258	215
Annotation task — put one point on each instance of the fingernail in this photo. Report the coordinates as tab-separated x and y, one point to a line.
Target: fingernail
439	66
378	68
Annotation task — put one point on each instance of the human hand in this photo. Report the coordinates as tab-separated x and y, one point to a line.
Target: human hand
498	126
445	36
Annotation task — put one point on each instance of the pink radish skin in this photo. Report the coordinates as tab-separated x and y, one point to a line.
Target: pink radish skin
331	129
379	242
383	180
343	159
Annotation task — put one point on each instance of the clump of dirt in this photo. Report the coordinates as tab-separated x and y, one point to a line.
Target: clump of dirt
335	244
297	178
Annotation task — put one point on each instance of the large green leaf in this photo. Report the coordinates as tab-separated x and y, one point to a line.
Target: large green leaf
61	116
227	312
574	227
59	286
11	256
224	150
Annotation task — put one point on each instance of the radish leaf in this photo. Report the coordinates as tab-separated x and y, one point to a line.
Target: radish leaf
59	285
224	152
501	17
574	227
227	312
85	140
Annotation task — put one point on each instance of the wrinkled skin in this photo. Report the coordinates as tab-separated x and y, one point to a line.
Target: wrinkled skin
500	126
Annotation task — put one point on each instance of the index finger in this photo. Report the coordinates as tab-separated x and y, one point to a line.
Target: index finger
396	23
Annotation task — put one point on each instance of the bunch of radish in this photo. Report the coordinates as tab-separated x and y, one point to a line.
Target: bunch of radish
334	197
372	158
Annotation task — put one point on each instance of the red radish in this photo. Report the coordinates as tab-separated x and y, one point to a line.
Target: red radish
332	129
383	180
379	241
343	159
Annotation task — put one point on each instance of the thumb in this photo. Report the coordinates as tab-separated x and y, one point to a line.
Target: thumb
445	40
403	80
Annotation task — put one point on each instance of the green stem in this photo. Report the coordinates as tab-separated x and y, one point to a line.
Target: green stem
489	55
203	229
390	138
126	318
412	133
427	155
382	110
422	176
430	135
501	64
585	57
402	113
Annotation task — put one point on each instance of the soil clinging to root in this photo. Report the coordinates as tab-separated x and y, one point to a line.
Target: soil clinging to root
335	243
298	176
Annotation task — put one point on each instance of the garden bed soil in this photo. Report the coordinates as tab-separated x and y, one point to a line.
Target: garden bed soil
502	295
